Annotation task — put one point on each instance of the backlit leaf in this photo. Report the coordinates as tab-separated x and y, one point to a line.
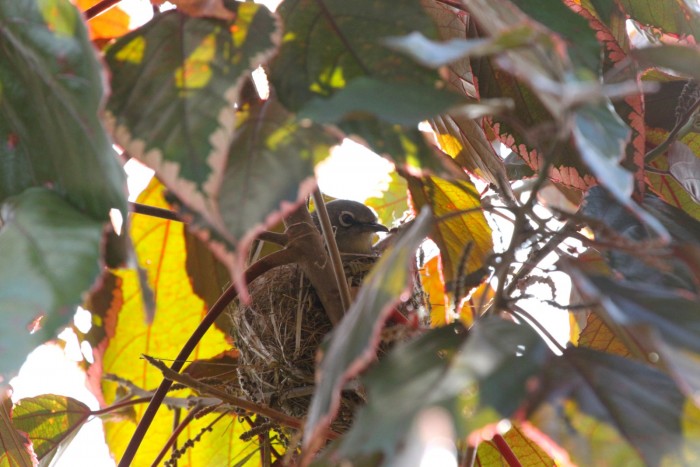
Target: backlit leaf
393	202
160	248
174	84
453	233
330	43
685	60
50	421
51	91
50	256
526	450
110	24
464	140
15	448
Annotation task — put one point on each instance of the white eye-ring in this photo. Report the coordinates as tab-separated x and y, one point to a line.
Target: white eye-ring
346	219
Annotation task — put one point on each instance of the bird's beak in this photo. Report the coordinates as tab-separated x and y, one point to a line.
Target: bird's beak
375	227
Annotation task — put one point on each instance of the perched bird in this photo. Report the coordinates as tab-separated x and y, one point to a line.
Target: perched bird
354	225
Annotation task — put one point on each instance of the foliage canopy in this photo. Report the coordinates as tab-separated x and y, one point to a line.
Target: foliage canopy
595	102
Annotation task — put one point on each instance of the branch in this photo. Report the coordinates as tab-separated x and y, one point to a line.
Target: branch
336	261
153	211
100	8
306	246
684	125
205	389
275	259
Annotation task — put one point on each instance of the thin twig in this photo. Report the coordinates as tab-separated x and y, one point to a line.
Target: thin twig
517	310
329	237
153	211
205	389
682	127
100	8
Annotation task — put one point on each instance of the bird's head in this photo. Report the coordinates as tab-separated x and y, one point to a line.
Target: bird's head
354	224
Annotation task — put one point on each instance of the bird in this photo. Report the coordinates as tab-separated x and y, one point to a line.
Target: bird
354	226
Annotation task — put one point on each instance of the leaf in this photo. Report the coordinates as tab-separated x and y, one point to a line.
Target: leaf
50	97
330	43
478	380
401	103
525	449
640	402
207	8
108	25
50	256
15	448
598	336
393	202
683	59
684	165
672	17
435	54
600	136
50	421
583	47
643	311
354	340
666	186
174	84
160	248
455	232
270	163
464	140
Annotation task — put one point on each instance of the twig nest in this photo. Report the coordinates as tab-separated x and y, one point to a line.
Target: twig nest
278	336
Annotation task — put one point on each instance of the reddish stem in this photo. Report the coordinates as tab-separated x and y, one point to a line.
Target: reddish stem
505	450
99	8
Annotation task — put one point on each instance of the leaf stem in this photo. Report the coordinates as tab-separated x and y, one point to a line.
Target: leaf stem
275	259
153	211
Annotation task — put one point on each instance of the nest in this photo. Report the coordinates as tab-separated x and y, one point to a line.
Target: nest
278	336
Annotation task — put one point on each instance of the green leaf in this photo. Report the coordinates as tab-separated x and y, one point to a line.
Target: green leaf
51	90
683	59
51	255
435	54
580	39
15	448
600	136
677	17
272	154
482	374
330	43
353	342
640	402
174	85
401	103
50	421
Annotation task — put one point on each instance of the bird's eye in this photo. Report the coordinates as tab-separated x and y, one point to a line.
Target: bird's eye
346	219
